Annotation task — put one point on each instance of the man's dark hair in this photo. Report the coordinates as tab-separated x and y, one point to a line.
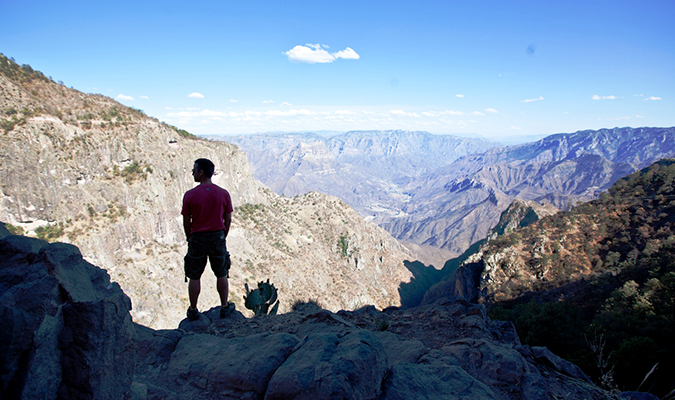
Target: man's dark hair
206	165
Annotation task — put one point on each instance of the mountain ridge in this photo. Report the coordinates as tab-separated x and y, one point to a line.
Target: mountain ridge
445	210
602	271
560	169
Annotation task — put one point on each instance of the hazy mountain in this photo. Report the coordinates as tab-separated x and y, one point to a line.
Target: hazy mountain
85	169
445	192
360	167
456	205
366	169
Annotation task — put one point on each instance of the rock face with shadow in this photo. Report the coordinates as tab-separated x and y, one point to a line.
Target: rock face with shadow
66	331
461	276
67	334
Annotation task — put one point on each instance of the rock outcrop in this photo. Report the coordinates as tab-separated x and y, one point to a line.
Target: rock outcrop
70	336
66	329
465	280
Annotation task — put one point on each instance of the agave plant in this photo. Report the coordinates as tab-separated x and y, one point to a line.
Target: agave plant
259	300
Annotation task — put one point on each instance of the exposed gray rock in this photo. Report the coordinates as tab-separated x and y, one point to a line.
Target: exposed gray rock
399	350
433	381
359	167
66	329
636	396
347	365
221	368
110	180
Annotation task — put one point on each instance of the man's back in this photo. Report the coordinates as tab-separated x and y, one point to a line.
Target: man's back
207	204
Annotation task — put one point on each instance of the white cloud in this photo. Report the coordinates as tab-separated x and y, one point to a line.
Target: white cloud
312	118
268	101
652	98
531	100
145	97
196	95
289	113
401	113
347	54
316	53
614	119
639	116
234	101
459	95
491	110
123	97
285	103
596	97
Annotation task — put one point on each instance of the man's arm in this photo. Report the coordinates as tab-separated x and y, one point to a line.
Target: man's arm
227	220
187	225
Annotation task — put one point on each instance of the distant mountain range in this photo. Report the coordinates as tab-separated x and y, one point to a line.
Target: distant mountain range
446	192
360	167
456	205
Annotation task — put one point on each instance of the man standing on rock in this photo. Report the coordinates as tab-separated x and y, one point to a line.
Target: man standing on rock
207	214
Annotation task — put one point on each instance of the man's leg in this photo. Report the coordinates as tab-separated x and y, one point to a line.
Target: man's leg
223	290
194	287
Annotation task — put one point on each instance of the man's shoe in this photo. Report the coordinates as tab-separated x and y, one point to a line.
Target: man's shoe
193	314
225	311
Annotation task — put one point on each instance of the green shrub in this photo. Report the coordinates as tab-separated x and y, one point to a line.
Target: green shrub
50	232
344	245
14	230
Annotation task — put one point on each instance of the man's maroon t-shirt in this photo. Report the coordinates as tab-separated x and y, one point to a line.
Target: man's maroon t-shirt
207	204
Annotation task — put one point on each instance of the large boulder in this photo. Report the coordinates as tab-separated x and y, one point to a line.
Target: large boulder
332	365
66	330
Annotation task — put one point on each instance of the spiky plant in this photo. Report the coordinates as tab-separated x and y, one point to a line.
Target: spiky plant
259	300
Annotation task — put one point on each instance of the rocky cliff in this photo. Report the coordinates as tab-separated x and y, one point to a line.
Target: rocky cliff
464	280
86	170
68	335
602	272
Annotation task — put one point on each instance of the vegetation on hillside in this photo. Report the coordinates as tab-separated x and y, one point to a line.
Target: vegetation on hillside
604	297
87	111
20	73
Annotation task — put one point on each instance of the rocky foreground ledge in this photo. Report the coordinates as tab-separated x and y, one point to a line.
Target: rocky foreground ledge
66	333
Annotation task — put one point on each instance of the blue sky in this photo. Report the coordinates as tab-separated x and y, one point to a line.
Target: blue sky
497	69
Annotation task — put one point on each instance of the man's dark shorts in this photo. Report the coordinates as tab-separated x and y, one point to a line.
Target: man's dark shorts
207	244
